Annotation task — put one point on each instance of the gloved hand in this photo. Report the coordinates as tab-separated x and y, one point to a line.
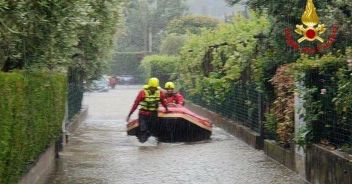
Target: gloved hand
167	110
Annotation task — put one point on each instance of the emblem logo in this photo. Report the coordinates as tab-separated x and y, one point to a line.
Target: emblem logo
310	19
311	30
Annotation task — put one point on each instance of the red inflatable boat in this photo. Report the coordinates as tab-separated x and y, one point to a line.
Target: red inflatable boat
178	125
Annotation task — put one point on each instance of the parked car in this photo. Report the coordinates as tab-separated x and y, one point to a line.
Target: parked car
127	79
101	85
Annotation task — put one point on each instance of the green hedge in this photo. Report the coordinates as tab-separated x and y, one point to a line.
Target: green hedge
163	67
324	122
126	63
32	107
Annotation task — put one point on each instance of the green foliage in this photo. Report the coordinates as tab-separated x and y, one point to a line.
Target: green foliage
172	44
329	12
346	148
38	33
215	60
270	125
327	114
317	75
56	34
126	63
304	137
145	18
161	66
343	99
192	24
273	48
32	108
96	38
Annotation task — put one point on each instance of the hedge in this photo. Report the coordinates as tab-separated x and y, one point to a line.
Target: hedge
325	123
163	67
32	108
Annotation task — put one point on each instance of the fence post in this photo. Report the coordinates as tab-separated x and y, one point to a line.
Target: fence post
260	115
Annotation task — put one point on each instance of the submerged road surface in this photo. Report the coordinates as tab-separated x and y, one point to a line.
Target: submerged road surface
99	152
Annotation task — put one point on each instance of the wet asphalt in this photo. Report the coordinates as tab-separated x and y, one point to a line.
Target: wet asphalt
100	152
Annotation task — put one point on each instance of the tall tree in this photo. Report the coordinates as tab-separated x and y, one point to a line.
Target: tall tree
55	34
145	22
96	39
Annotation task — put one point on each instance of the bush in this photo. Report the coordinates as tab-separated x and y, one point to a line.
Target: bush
216	60
283	106
161	66
320	87
172	44
32	108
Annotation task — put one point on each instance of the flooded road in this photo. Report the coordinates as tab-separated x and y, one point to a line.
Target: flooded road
100	152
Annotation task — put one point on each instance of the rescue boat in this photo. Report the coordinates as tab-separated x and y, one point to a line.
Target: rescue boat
177	125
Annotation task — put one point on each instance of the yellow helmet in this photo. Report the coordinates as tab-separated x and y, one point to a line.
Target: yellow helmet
153	82
169	85
145	86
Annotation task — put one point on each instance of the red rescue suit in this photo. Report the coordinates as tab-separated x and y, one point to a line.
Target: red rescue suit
174	98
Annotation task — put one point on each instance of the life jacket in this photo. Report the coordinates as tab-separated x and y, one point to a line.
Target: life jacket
151	101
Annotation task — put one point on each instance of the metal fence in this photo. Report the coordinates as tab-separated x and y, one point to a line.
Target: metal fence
341	131
246	106
75	94
333	127
321	110
243	105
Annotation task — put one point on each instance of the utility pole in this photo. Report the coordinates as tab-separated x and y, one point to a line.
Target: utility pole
150	40
246	13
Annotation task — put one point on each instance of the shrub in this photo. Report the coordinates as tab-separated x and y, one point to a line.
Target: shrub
320	86
215	60
283	106
172	44
160	66
32	108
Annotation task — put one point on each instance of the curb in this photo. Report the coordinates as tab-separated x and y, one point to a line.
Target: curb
244	133
72	126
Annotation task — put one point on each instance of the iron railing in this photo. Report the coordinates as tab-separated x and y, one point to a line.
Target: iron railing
243	104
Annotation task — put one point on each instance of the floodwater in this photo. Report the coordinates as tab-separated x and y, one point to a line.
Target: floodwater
100	152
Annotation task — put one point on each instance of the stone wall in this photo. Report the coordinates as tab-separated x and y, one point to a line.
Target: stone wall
324	166
249	136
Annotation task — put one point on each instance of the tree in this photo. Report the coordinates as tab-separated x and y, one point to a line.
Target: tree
172	44
212	62
177	29
146	21
39	33
192	24
96	39
56	34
